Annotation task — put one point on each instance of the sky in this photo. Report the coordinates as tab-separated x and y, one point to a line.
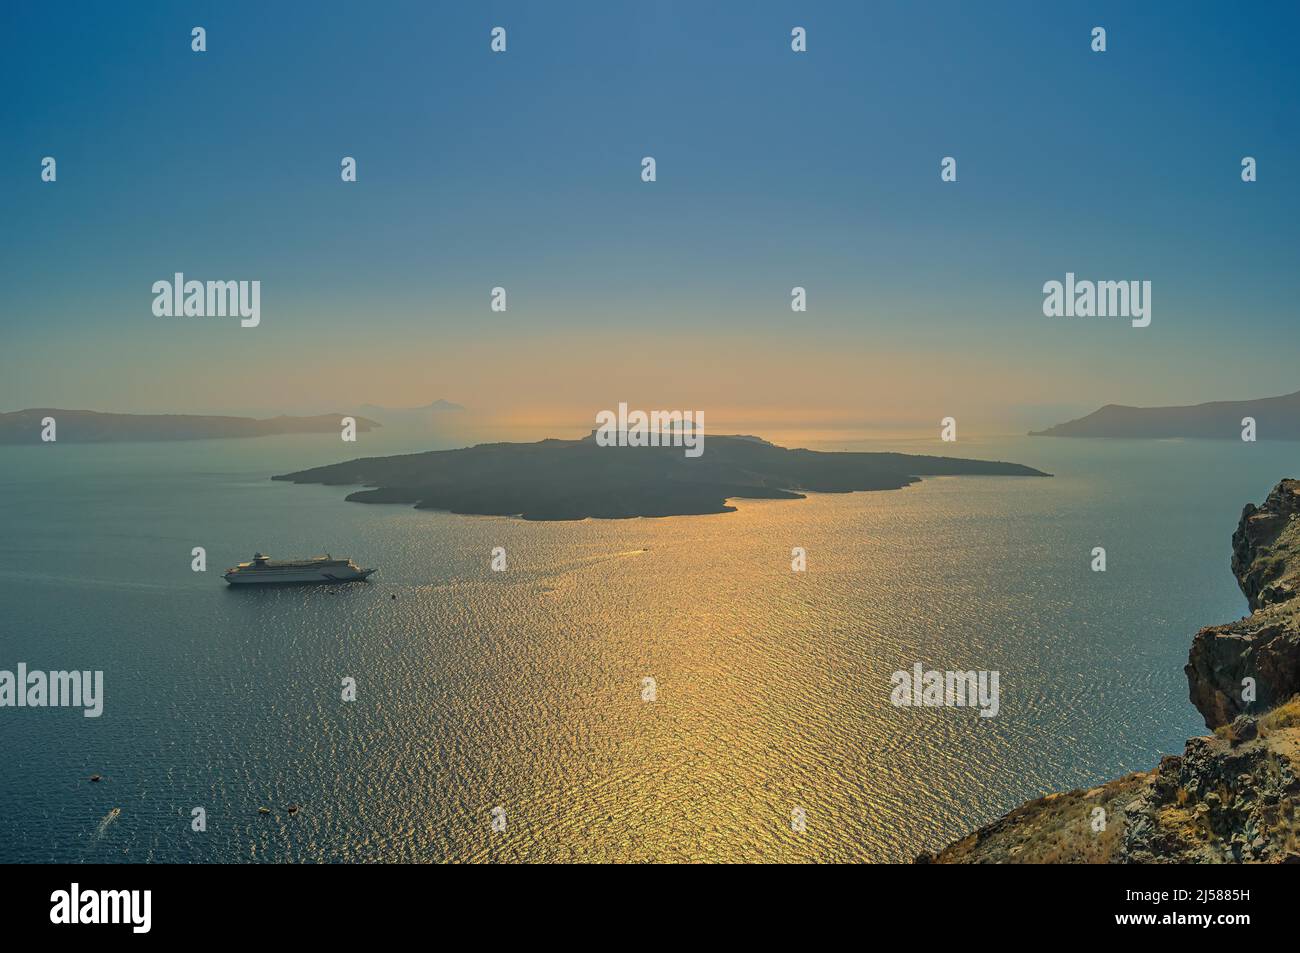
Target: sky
775	169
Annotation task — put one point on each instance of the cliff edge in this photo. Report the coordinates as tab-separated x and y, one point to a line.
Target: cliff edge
1264	646
1230	797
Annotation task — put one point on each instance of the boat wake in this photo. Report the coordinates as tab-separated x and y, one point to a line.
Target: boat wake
108	819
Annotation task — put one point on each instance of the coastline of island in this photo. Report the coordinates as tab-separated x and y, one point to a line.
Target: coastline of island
92	426
578	479
1267	418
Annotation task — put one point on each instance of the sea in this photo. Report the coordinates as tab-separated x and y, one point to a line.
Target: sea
627	690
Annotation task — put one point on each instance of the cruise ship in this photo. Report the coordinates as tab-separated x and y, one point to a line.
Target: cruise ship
263	570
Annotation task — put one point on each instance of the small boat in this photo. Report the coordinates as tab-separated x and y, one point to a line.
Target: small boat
262	569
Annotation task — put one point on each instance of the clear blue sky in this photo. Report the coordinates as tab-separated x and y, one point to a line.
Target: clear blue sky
775	169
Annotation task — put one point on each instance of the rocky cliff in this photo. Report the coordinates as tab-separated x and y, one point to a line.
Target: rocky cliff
1264	647
1229	797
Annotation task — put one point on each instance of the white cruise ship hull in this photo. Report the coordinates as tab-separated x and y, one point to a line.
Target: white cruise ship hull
262	570
286	577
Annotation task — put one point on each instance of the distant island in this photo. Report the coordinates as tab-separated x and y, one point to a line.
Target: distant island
412	416
577	479
1276	418
88	426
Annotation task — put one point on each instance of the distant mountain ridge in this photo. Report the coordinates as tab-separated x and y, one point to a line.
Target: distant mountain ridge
1276	418
578	479
90	426
438	406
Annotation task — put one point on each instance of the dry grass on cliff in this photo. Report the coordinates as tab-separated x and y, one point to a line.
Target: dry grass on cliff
1285	715
1056	829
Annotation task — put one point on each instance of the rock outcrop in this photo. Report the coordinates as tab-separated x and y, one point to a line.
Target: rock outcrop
1231	797
1264	647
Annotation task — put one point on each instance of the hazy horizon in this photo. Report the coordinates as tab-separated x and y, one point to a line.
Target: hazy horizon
848	425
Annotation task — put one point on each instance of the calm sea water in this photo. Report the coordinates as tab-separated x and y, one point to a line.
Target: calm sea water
523	689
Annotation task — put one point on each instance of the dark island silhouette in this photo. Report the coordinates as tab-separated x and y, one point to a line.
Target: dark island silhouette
1276	418
576	479
89	426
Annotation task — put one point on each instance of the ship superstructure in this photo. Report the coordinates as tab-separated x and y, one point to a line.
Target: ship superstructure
263	569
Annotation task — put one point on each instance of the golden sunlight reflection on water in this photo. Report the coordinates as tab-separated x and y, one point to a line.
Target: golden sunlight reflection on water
772	685
523	690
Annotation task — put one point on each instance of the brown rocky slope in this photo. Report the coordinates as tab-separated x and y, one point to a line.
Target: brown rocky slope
1231	797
